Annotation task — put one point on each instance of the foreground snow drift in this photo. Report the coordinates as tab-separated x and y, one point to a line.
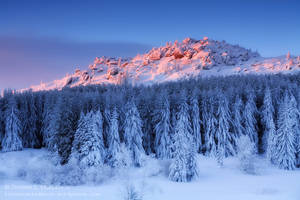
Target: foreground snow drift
19	172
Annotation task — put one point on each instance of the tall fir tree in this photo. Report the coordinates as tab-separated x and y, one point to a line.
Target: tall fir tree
81	131
223	137
250	122
162	127
106	120
2	119
146	106
238	109
298	132
184	165
178	168
29	120
114	143
96	124
12	140
209	123
67	127
133	133
285	151
88	144
50	125
267	115
192	164
195	119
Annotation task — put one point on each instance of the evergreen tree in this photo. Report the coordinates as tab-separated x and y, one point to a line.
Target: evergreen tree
29	122
238	119
192	165
106	120
298	132
269	125
209	123
178	168
88	141
133	133
146	106
81	131
67	127
184	166
285	151
162	127
223	137
250	122
114	140
195	118
96	124
12	140
2	120
50	126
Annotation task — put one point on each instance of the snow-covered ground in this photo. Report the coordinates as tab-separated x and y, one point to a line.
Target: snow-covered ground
18	171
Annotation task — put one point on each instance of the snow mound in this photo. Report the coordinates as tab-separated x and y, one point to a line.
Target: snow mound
174	61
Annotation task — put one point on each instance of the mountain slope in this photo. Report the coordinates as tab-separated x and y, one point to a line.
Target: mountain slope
190	57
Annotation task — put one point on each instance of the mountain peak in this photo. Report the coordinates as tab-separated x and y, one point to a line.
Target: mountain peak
176	60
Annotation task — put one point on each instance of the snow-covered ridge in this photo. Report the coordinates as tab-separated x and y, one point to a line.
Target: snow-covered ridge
176	60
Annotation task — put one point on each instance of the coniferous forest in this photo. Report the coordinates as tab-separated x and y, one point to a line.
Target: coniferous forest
119	125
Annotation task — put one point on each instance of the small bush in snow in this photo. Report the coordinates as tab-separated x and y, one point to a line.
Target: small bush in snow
131	193
246	155
68	174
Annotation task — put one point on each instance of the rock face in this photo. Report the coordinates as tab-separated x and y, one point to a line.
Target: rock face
176	60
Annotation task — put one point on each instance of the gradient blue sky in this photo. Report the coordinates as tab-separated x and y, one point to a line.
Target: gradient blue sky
42	40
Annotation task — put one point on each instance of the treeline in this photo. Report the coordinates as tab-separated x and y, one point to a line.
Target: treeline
98	125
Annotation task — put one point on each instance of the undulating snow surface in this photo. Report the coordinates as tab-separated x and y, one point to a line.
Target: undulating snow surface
20	171
184	59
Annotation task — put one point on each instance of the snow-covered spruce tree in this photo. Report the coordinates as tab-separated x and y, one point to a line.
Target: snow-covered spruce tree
29	122
88	144
285	151
267	115
184	166
106	120
238	109
298	132
133	133
114	142
12	140
2	120
192	165
162	127
250	122
172	130
146	106
178	167
223	137
209	123
81	131
195	119
246	153
50	124
67	127
97	131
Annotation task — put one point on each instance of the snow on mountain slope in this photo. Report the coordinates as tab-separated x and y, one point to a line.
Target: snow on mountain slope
190	57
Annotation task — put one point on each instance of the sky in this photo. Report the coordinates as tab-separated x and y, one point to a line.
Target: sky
42	40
